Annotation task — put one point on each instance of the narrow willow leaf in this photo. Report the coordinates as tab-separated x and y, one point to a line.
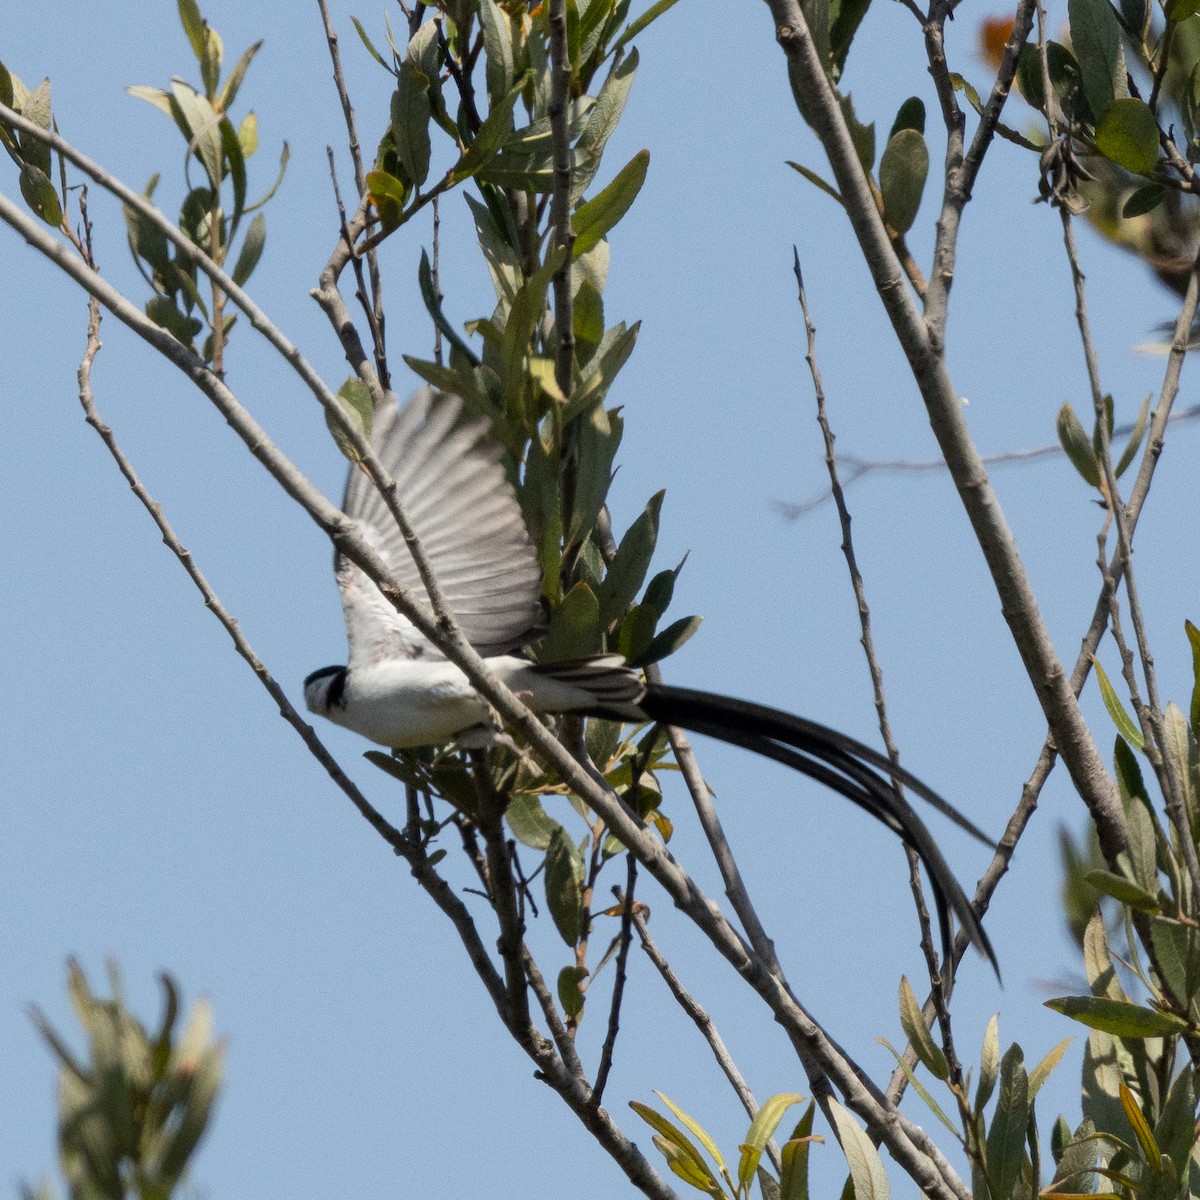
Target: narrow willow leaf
793	1179
1135	437
903	170
866	1167
1006	1135
366	41
195	26
1077	445
636	26
696	1129
601	121
434	307
593	219
152	95
675	1136
1141	1128
1118	1017
564	895
1193	636
570	996
1041	1072
626	572
252	248
1120	718
410	121
354	399
816	181
234	83
989	1063
1178	744
1121	888
668	641
762	1129
1128	135
498	49
917	1086
912	1020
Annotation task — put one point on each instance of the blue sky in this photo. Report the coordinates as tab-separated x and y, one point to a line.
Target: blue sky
160	812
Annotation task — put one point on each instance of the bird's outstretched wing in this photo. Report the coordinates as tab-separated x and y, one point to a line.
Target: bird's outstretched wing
463	509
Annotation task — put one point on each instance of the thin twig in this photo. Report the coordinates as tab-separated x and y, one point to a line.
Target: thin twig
938	987
624	938
1150	714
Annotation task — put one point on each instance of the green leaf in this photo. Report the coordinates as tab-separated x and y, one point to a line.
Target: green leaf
902	174
570	996
597	436
152	95
911	115
1096	39
1177	742
637	632
1193	636
1041	1072
1116	710
762	1129
410	121
164	313
661	589
492	133
793	1179
1077	445
1135	439
866	1167
816	181
625	574
845	16
1122	889
564	893
668	641
234	83
1177	954
1006	1136
597	376
600	123
37	109
1145	199
354	399
989	1063
1139	821
696	1129
531	825
252	248
918	1086
498	49
210	61
40	195
1118	1017
203	128
574	627
863	136
195	26
593	220
912	1020
434	307
685	1148
366	41
1128	135
636	26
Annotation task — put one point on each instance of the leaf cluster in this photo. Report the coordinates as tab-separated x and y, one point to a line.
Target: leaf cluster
133	1110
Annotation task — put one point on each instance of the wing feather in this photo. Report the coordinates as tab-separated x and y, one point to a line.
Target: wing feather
452	487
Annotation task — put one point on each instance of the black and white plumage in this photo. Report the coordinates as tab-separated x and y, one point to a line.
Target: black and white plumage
400	691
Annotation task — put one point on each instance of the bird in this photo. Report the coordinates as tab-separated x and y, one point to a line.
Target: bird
398	689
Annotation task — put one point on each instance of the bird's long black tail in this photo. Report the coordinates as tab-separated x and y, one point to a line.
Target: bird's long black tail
848	767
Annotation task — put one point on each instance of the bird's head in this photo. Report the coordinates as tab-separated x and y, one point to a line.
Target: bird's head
323	689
